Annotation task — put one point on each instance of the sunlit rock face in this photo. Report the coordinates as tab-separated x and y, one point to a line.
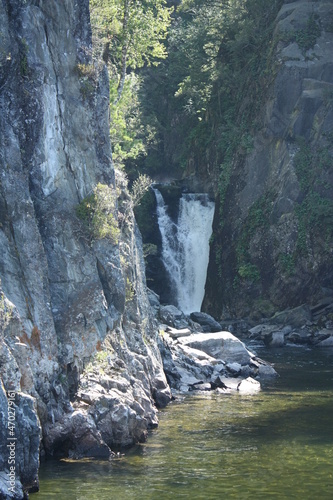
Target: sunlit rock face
63	294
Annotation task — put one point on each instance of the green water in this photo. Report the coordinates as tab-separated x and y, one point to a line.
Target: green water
277	444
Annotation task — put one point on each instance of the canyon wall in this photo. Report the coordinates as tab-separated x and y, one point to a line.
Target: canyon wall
273	229
78	356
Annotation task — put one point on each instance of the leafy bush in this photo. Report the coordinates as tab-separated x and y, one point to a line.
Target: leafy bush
97	212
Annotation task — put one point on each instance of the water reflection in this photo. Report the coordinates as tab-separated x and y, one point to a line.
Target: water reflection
275	444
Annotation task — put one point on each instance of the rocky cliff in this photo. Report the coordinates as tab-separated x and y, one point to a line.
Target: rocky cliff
80	370
273	244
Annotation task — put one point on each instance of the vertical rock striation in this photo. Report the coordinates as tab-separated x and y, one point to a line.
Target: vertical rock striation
67	299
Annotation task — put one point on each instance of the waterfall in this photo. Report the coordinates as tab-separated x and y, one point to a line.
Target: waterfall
185	247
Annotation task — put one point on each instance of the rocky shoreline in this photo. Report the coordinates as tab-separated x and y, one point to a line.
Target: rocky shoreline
200	353
198	359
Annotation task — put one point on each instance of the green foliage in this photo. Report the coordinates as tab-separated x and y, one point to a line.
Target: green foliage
97	212
139	187
128	34
315	211
307	37
315	216
129	291
87	76
258	218
141	33
249	272
149	249
287	262
126	130
206	97
99	362
86	70
143	215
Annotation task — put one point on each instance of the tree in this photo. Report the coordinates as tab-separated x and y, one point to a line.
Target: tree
130	34
127	35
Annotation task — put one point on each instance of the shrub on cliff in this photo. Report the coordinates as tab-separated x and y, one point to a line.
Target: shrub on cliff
97	211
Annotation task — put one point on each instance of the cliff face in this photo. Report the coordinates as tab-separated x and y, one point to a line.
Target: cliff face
275	247
66	298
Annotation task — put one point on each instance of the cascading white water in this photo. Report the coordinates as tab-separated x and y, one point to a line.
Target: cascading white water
185	247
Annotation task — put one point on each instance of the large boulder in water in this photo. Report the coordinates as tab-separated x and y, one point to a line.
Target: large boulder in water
220	345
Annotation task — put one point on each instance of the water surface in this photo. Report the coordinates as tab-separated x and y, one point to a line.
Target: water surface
276	444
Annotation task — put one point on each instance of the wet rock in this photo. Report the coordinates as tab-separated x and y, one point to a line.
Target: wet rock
76	436
266	371
201	386
300	336
323	307
275	339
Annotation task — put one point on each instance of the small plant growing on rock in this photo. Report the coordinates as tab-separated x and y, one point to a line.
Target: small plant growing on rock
87	76
5	311
139	187
249	272
130	291
97	212
307	37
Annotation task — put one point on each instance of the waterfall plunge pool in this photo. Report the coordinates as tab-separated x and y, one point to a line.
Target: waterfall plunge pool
276	444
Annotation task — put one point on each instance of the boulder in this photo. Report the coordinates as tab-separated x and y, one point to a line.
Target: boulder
274	339
208	323
248	386
175	333
202	386
153	298
265	371
169	314
328	342
260	331
296	317
220	345
234	368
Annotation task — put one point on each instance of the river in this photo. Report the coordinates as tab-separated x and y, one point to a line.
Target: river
276	444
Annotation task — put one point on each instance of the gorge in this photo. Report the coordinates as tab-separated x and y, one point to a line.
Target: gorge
88	353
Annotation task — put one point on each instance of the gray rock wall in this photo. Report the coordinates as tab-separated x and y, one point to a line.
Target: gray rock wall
68	302
275	248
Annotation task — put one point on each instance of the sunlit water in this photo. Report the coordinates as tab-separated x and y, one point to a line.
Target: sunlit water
276	444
